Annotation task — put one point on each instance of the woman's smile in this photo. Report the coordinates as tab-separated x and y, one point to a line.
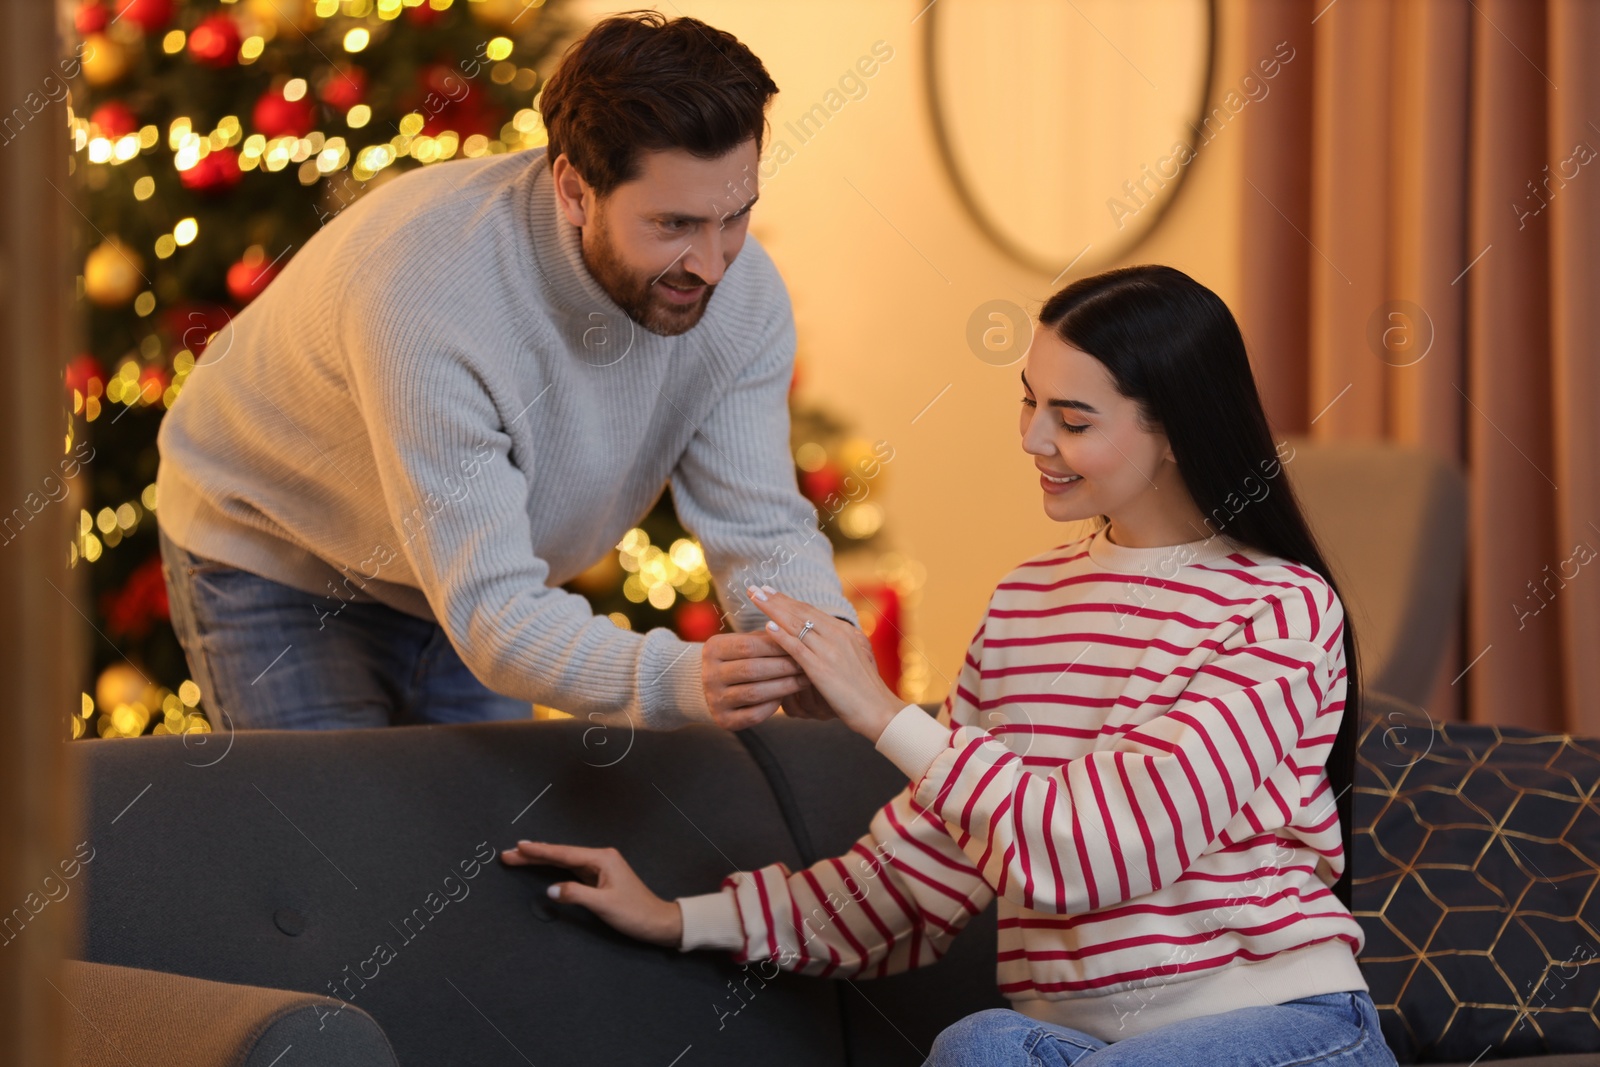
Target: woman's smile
1058	483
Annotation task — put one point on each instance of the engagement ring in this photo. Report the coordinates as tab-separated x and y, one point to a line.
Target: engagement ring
807	628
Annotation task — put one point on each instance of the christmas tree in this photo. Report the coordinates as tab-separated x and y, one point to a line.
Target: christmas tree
210	141
658	575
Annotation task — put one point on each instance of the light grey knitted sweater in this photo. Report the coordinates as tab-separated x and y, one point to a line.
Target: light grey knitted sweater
435	406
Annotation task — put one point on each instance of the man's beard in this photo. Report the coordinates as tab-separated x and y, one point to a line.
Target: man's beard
635	293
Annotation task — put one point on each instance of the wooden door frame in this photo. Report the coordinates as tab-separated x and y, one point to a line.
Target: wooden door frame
41	633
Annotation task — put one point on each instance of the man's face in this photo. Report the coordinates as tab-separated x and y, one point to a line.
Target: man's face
659	244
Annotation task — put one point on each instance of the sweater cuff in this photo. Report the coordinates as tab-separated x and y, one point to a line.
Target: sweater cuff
913	740
711	921
672	688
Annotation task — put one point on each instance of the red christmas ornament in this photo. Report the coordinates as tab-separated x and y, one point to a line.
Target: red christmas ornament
424	15
215	41
451	102
249	276
345	87
471	116
191	326
820	484
115	119
697	620
275	116
446	82
216	173
83	370
148	15
91	18
138	605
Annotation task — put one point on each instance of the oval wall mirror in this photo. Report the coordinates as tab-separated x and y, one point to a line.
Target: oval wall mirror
1067	126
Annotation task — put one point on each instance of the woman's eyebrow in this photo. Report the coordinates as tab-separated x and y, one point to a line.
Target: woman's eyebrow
1075	405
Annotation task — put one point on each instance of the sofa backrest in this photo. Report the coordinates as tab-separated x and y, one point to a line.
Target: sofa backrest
821	774
363	864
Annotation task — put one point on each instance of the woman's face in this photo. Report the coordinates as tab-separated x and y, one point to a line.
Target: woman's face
1075	423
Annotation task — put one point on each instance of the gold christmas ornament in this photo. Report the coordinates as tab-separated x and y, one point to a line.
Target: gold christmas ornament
112	273
118	684
503	13
104	60
283	16
862	458
600	577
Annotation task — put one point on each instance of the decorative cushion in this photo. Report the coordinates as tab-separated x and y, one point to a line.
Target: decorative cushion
1477	857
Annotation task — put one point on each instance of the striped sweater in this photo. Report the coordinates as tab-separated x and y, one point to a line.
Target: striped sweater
1132	760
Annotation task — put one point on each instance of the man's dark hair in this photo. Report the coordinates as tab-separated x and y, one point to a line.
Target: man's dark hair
641	81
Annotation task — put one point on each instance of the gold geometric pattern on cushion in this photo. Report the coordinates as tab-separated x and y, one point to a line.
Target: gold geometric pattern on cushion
1476	866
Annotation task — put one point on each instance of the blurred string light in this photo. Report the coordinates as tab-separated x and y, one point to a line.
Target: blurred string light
109	527
658	576
134	384
318	155
128	703
190	147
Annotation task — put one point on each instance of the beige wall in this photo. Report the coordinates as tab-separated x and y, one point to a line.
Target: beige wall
881	332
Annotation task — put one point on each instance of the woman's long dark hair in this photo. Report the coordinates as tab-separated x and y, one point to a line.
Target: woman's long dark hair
1173	346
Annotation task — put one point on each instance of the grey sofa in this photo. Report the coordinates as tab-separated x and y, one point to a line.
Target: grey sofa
286	860
279	898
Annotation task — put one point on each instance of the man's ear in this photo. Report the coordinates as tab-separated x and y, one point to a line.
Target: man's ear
570	190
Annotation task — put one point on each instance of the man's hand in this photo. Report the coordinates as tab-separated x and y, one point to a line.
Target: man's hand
809	704
746	677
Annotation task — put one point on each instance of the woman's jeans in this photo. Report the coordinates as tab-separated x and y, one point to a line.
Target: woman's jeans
267	656
1337	1029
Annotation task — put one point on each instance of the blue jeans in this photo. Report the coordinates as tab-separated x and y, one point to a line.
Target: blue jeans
267	656
1337	1029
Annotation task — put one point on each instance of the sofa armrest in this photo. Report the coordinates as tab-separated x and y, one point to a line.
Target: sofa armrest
127	1014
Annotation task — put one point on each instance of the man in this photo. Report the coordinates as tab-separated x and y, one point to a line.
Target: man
462	392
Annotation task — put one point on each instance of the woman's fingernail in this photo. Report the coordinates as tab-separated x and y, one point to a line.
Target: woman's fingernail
554	891
756	593
772	626
769	589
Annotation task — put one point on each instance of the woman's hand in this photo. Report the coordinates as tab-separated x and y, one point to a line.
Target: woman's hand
609	888
837	658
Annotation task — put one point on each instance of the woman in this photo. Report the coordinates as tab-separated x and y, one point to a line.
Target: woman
1145	755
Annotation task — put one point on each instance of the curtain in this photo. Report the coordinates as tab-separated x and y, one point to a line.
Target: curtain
1431	174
